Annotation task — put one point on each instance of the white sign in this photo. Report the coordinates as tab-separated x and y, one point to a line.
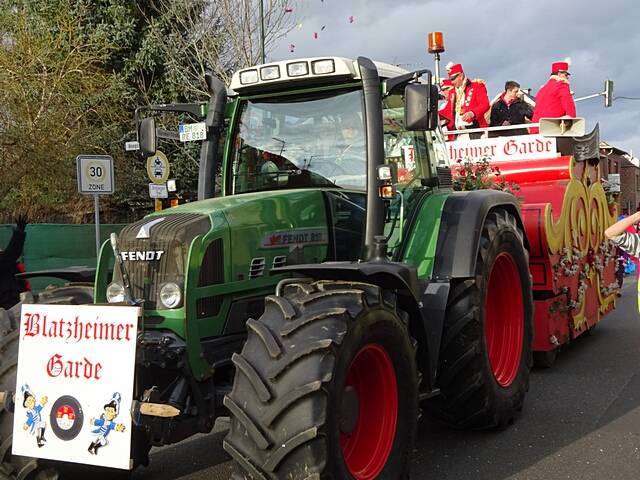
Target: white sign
75	383
158	168
190	132
95	174
501	149
132	146
158	191
614	182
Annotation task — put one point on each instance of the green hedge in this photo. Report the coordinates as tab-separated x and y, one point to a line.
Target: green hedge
51	245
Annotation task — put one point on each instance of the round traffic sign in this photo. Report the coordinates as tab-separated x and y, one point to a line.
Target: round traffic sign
158	167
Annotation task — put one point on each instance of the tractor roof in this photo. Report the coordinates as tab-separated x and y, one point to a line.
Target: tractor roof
303	71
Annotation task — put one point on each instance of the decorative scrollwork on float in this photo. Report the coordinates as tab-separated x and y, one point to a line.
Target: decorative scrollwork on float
580	228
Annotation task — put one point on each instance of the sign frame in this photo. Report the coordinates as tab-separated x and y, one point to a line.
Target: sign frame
165	168
158	190
75	363
83	166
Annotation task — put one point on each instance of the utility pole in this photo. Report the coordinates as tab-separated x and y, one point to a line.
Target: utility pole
262	55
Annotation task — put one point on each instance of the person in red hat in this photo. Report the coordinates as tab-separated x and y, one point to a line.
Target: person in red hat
554	98
467	101
444	111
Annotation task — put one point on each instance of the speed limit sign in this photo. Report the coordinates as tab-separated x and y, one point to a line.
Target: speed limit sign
95	174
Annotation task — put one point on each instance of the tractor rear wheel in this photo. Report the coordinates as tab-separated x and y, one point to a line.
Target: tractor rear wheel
326	387
485	355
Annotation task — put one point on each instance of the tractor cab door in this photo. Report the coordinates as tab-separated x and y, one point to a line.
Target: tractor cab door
346	218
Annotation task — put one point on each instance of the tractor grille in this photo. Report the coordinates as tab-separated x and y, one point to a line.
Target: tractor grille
257	267
149	269
212	268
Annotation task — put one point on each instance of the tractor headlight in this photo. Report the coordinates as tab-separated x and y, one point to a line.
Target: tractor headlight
170	295
249	76
115	292
270	73
323	67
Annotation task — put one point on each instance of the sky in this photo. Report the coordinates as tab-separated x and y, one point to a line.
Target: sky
495	40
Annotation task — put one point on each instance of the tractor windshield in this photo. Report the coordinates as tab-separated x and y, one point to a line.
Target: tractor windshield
310	141
318	140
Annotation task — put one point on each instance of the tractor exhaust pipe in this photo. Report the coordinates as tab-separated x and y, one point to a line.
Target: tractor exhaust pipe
209	150
372	90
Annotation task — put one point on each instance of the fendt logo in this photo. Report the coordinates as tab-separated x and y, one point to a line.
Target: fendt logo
142	256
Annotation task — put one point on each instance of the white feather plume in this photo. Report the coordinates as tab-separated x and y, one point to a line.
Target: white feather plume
449	65
568	60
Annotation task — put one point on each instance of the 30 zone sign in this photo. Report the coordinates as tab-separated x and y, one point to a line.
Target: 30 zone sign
95	174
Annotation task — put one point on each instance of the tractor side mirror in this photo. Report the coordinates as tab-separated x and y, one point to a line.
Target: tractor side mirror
420	107
147	137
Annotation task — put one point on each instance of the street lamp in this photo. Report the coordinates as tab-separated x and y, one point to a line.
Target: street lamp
262	56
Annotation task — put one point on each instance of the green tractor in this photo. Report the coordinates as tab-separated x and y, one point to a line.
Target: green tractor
333	288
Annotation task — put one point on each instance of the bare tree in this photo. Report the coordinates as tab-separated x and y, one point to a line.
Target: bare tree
218	35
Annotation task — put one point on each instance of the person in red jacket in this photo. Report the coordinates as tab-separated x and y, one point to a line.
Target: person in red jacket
467	101
444	111
554	99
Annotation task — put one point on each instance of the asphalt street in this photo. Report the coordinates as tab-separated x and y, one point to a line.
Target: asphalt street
581	421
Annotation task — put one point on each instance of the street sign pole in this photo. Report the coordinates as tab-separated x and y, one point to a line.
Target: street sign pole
97	222
95	177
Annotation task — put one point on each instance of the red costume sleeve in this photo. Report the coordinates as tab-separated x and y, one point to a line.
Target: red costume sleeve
566	100
480	104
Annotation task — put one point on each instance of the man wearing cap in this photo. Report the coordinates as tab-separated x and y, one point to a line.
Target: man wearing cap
554	98
467	101
444	111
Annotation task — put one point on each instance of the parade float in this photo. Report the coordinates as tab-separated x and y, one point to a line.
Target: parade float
565	210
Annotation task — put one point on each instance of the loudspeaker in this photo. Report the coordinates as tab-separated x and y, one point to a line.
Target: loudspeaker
562	127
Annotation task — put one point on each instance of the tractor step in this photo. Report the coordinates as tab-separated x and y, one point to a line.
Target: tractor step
153	409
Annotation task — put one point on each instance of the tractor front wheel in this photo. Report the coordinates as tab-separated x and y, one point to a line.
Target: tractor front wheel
326	387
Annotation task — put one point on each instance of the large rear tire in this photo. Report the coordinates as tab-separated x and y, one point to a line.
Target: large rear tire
326	387
486	356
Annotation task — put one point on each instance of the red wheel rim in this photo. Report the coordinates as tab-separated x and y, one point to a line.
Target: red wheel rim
504	319
373	377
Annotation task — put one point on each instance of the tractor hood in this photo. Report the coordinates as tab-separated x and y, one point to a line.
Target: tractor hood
221	240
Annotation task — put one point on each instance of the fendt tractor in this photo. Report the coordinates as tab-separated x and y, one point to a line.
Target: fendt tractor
335	285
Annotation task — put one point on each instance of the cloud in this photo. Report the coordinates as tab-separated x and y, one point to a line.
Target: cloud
495	40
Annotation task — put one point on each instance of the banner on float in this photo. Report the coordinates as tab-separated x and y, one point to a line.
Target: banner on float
501	149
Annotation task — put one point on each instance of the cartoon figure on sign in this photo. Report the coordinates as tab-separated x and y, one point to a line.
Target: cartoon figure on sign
34	422
105	424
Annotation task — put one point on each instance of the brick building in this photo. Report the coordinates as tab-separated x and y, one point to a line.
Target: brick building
614	160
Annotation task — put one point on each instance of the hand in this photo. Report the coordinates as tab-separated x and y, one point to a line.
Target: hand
468	117
44	400
120	427
25	427
505	123
21	222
